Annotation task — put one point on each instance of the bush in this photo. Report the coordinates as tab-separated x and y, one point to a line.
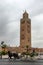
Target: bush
33	54
3	53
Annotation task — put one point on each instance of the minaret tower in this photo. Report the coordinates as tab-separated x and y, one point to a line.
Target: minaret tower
25	30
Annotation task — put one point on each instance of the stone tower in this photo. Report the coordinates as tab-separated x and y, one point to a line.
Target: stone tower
25	31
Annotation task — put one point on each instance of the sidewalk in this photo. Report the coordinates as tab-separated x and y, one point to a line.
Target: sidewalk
4	56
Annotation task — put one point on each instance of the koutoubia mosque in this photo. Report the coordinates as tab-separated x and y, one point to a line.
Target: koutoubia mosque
25	36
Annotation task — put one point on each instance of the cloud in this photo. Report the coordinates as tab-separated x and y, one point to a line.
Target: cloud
10	14
37	30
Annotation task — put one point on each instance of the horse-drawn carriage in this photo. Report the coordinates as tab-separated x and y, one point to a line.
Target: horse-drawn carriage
15	55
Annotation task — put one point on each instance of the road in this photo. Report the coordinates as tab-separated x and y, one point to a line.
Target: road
18	62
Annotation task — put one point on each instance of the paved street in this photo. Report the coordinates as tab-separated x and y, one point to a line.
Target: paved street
18	62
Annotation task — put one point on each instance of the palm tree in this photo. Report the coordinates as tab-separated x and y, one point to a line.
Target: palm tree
2	42
27	51
27	48
3	46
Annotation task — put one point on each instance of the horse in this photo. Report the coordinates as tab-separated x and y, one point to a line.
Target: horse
15	55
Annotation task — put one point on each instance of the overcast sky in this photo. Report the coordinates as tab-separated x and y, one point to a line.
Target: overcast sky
10	14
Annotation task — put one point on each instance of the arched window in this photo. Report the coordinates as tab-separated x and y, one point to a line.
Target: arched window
28	30
22	36
23	22
28	22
